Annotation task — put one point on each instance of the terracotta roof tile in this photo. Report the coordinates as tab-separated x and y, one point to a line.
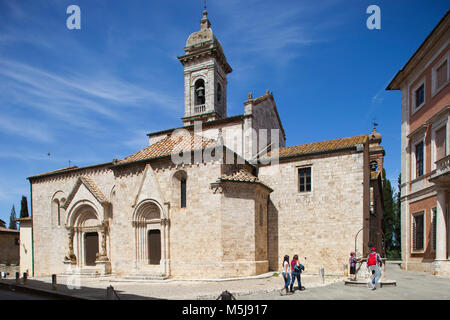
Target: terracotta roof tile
240	175
168	146
321	147
8	230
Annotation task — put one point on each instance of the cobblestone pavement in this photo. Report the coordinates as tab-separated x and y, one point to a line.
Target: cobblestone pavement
410	286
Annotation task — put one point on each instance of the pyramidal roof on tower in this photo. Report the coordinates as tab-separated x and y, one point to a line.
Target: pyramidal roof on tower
204	43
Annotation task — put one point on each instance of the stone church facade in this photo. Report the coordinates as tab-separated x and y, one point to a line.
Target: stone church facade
217	197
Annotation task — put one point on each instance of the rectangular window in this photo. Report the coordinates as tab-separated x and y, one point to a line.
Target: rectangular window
433	229
420	95
441	75
441	143
304	178
419	159
183	193
417	236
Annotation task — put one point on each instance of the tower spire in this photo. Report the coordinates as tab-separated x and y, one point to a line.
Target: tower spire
205	23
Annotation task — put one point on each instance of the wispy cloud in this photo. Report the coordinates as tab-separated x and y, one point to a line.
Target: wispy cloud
25	128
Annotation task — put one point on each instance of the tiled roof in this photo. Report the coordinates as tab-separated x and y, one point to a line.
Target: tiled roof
93	188
90	186
239	175
172	144
321	147
8	230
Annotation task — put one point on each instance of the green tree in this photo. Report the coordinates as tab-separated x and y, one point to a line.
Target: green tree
391	220
397	229
388	214
12	219
24	207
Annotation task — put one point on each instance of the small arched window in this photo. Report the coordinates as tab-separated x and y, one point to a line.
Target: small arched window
180	188
199	92
183	192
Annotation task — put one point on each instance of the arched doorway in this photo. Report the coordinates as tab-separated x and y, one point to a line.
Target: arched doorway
87	237
150	231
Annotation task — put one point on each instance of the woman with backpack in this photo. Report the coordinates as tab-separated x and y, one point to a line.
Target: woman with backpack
285	273
296	270
374	263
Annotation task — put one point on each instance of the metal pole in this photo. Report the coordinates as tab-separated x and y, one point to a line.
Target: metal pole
356	237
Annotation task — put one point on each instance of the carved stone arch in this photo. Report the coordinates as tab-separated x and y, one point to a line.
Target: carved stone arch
198	77
85	219
112	199
77	208
140	213
57	209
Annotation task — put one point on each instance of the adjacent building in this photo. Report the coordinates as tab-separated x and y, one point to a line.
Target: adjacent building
425	103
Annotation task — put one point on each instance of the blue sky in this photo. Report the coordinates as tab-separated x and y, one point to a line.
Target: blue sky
93	94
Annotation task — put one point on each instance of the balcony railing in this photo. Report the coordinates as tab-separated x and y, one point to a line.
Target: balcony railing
442	168
200	108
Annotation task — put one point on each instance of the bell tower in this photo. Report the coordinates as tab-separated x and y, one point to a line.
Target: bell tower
205	76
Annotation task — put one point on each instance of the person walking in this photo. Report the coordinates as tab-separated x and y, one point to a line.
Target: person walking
296	270
374	263
285	274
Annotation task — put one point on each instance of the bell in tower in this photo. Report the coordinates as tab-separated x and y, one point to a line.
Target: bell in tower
205	76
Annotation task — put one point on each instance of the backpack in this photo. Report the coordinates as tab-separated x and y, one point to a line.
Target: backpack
299	268
372	261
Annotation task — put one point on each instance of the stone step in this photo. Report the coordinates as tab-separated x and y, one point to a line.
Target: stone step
145	276
363	283
84	273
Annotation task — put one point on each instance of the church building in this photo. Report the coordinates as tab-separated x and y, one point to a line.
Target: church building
216	197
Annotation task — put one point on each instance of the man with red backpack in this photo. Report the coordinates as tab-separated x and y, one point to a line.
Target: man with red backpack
374	263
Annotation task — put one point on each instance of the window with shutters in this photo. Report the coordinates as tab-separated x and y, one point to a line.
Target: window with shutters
419	159
420	96
440	75
304	179
418	232
441	143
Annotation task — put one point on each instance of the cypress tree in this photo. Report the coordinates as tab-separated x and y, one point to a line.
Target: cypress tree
12	219
388	215
24	208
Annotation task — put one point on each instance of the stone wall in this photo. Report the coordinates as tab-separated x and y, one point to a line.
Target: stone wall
320	226
9	247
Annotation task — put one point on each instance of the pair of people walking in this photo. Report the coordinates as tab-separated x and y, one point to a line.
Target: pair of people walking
374	264
291	271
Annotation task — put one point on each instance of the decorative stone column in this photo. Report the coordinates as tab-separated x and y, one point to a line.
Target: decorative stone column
70	258
164	223
103	262
441	232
